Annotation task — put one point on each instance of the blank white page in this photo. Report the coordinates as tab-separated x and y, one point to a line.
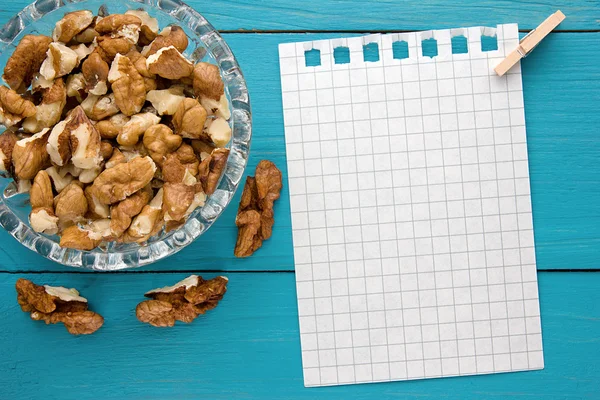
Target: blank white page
411	210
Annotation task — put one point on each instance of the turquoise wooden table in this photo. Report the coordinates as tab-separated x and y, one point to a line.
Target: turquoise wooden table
249	347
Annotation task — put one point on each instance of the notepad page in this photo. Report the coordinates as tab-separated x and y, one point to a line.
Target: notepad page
411	209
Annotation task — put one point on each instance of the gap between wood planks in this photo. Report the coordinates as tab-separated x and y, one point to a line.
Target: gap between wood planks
216	271
364	31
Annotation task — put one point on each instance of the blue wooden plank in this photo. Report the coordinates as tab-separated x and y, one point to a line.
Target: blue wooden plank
334	15
248	347
562	92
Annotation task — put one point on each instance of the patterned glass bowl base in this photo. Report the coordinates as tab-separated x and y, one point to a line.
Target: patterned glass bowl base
204	44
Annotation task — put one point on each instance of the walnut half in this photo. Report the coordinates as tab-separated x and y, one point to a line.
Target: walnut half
58	304
255	217
183	301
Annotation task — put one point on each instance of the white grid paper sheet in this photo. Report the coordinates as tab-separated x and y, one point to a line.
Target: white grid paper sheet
411	210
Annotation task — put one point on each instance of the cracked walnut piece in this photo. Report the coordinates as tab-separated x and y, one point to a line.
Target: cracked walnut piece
160	140
100	107
169	63
8	139
189	119
178	163
148	222
149	27
57	304
13	108
26	61
122	180
42	217
75	139
49	111
255	217
207	81
183	301
95	72
170	36
126	26
131	131
127	85
59	62
71	25
29	155
122	213
70	205
211	168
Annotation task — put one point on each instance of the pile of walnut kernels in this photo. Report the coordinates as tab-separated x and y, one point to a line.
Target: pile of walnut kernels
115	134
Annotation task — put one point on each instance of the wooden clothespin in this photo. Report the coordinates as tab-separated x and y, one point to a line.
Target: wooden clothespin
528	43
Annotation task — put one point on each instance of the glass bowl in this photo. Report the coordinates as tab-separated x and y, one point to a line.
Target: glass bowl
204	44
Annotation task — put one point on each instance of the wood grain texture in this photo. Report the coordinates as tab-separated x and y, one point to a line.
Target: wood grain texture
335	15
562	91
248	347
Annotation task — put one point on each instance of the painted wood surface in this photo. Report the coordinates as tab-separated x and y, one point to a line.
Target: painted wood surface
344	15
249	347
561	83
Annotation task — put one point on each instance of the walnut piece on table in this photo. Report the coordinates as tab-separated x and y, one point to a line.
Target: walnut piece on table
255	216
58	304
184	301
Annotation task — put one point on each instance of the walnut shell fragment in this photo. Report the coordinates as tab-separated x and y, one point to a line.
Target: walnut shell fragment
183	301
26	61
57	304
255	217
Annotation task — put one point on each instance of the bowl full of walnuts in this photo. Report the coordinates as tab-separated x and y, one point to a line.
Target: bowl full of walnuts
125	129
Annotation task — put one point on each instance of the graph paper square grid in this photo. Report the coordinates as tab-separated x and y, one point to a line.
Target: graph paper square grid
411	210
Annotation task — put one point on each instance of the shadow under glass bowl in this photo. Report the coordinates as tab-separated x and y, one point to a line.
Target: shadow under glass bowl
204	44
